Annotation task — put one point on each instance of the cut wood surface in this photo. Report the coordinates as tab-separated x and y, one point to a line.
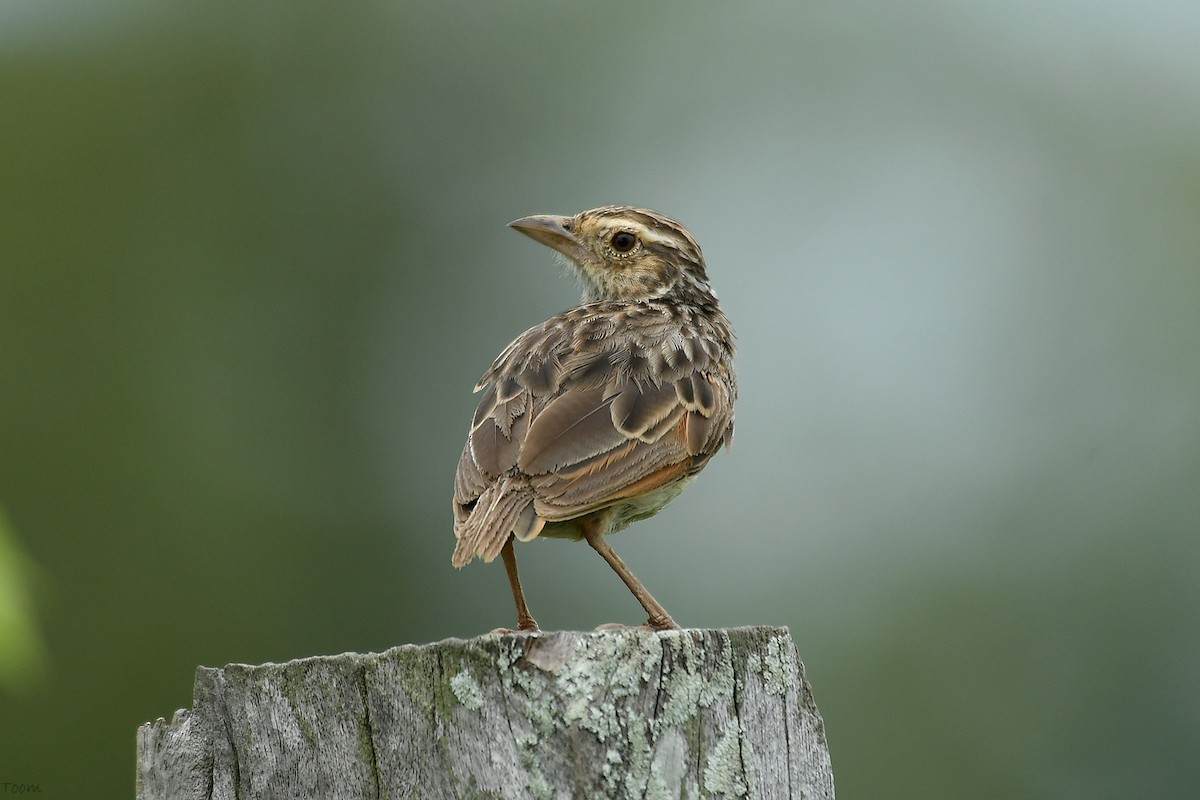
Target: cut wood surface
625	713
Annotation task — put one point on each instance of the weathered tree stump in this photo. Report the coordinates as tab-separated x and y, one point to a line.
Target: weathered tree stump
624	713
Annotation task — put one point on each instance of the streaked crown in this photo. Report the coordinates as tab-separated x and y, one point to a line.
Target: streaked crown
626	253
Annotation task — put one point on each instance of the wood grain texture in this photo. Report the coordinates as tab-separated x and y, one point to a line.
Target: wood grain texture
624	713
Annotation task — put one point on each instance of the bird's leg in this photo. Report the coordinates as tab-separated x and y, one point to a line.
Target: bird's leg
525	622
659	619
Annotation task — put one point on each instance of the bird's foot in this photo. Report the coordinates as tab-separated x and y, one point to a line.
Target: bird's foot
663	623
611	626
524	626
652	624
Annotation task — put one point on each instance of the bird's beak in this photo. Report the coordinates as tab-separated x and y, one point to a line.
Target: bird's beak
552	231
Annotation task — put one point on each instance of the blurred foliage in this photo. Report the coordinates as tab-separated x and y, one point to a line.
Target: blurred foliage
20	646
253	257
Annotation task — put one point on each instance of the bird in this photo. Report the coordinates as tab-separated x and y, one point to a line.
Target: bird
601	415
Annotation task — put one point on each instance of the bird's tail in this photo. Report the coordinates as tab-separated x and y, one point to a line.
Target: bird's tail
501	511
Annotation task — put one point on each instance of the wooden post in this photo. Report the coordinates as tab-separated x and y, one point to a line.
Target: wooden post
624	713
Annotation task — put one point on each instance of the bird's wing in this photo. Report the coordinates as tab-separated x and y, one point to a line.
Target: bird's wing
573	425
591	447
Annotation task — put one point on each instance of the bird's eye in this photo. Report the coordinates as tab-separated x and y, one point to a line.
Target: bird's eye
623	241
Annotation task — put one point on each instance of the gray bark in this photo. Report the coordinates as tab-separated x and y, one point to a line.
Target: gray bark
624	713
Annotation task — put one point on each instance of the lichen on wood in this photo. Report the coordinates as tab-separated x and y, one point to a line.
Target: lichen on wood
625	713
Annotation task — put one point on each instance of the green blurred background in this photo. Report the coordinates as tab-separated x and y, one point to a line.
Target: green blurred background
253	257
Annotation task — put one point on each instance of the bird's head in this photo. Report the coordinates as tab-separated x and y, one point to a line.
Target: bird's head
624	253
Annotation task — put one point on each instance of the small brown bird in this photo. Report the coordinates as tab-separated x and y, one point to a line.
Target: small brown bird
603	414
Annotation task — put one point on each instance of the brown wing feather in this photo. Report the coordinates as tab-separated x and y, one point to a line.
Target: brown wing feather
637	410
574	426
564	496
500	427
568	424
469	482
